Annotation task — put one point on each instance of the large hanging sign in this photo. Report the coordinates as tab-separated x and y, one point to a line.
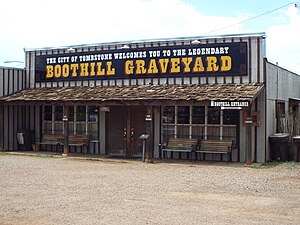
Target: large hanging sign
222	59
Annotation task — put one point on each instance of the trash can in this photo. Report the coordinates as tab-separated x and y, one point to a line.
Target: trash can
279	144
296	143
25	139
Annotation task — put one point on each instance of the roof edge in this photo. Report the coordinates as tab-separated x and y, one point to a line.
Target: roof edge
259	34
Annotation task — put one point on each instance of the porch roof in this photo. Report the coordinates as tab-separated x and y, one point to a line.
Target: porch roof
145	93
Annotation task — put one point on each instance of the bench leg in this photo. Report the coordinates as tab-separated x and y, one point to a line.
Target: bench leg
57	148
229	157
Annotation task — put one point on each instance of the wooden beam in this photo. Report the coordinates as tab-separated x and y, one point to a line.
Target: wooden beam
66	130
248	124
150	131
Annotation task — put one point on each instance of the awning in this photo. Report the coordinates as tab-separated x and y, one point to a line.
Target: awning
294	99
148	93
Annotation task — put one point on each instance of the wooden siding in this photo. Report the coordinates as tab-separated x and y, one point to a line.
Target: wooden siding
12	118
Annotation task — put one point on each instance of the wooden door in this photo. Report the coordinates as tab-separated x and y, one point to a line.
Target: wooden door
138	127
124	126
116	123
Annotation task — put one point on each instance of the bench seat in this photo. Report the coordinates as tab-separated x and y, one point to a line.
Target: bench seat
180	145
80	141
51	139
216	147
58	141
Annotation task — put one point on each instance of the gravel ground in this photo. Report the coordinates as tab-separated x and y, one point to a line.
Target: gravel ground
46	191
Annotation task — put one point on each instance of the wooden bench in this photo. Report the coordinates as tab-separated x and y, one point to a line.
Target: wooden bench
79	140
180	145
51	139
58	141
216	147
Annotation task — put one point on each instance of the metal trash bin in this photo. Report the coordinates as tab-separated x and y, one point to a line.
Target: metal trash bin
296	143
279	144
25	139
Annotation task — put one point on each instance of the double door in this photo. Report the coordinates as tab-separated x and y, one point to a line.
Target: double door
124	127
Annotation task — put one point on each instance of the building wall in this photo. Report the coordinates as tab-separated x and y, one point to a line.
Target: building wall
256	53
30	115
281	86
13	117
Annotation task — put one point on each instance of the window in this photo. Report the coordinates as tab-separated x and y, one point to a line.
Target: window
199	122
230	117
213	116
183	114
48	113
93	112
168	114
82	120
58	113
198	115
81	113
71	113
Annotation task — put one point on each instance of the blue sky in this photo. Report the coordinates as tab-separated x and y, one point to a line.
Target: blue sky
54	23
234	7
246	8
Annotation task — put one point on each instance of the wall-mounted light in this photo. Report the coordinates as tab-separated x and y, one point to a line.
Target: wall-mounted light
125	47
195	42
70	50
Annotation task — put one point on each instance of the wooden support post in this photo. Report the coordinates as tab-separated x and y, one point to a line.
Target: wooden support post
66	131
248	123
2	128
129	133
149	124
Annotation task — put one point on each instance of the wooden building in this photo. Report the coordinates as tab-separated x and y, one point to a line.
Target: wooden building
210	88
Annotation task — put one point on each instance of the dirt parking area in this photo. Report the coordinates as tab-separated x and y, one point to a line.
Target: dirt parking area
46	191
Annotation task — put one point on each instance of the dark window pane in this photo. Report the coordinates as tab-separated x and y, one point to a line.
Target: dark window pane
48	113
58	113
81	113
183	115
213	132
183	131
71	113
198	115
230	117
169	114
213	116
80	128
58	127
93	112
93	131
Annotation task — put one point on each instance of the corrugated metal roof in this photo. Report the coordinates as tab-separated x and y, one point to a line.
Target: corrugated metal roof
194	93
259	34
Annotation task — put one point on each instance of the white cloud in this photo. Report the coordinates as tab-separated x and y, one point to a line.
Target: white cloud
283	45
74	22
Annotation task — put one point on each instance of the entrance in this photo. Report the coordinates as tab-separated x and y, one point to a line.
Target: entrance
125	125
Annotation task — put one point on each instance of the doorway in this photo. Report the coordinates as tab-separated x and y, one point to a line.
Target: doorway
124	127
